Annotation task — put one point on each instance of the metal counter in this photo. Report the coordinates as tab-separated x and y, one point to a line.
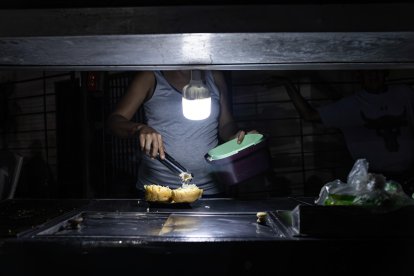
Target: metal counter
212	236
27	218
176	226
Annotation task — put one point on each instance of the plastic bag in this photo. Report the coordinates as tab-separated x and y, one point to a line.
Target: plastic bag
364	189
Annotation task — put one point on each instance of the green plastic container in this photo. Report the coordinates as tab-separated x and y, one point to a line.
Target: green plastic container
234	163
232	147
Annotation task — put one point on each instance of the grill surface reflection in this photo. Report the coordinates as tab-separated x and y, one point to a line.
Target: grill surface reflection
159	225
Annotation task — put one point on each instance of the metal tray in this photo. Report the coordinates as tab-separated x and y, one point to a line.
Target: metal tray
164	225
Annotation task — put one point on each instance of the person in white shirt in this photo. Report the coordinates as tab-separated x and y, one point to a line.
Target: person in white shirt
376	121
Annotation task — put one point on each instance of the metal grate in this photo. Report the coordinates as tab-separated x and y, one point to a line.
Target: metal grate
28	127
304	155
123	154
261	103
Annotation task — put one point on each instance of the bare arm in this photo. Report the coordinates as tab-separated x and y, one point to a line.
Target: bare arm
228	128
119	120
306	111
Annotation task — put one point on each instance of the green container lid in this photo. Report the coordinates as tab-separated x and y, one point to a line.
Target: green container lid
231	147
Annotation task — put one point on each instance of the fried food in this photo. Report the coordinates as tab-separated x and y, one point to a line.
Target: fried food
157	193
261	217
187	193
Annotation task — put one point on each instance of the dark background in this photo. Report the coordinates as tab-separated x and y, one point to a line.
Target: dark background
122	3
58	123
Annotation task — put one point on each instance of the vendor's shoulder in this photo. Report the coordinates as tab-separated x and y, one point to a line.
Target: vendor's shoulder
144	74
145	77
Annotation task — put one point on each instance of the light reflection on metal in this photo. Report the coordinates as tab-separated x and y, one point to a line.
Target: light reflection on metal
196	48
164	226
226	51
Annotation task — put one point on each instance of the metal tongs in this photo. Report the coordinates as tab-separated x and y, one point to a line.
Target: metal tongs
176	168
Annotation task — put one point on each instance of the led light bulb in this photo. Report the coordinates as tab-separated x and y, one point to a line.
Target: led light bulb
196	100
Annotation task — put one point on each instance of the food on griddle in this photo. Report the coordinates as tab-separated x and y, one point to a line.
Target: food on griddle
75	223
157	193
261	217
186	194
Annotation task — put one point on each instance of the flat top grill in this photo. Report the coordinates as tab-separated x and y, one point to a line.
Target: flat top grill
163	225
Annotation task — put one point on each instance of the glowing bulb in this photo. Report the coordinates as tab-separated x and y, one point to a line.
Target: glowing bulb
196	98
198	109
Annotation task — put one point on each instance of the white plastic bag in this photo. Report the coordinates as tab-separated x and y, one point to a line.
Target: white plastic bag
364	189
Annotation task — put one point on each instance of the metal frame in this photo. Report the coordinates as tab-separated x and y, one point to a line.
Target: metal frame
225	37
225	51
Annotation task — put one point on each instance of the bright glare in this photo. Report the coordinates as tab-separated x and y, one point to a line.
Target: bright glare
196	48
197	109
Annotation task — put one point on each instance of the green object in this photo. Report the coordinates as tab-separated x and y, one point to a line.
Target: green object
231	147
336	199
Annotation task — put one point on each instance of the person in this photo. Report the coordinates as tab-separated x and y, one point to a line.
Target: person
376	121
167	130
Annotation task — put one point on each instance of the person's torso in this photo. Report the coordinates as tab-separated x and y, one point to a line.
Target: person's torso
185	140
380	129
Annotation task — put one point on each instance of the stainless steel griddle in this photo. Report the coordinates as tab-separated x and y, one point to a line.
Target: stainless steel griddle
180	225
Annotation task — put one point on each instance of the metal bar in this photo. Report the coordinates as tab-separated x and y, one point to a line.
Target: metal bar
28	131
34	113
307	152
121	153
278	101
29	97
241	66
16	175
227	51
125	84
311	169
113	139
86	189
302	149
36	79
45	120
270	83
29	148
266	119
103	137
395	80
308	135
118	140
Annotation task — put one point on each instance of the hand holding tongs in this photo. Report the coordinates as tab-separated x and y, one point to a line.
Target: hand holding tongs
176	167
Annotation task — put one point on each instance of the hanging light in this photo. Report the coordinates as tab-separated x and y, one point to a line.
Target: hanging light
196	98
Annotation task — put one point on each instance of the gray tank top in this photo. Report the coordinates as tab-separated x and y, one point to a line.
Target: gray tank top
185	140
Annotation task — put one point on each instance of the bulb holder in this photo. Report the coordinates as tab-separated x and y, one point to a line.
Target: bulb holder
196	100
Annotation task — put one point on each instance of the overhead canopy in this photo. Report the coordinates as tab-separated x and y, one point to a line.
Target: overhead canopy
216	37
